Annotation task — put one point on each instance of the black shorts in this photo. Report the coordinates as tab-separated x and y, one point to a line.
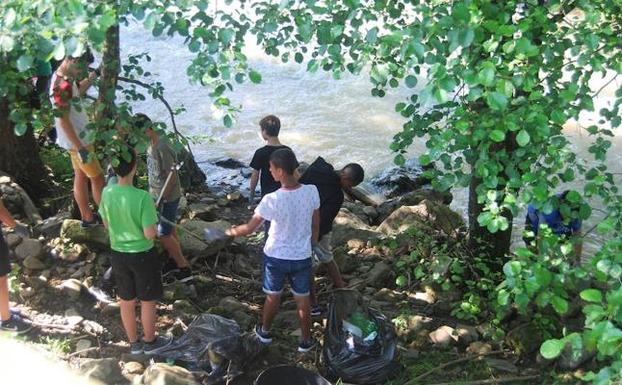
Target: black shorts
137	275
5	265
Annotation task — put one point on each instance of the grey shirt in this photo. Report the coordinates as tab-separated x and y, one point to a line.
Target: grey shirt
160	160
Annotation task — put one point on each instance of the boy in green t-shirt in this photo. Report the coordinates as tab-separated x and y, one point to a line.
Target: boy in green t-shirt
130	216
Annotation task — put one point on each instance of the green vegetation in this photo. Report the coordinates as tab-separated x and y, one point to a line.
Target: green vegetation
493	84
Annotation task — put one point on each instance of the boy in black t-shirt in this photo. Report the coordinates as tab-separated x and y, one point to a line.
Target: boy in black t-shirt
330	184
270	127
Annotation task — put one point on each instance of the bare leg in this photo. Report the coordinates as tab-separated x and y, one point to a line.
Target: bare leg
81	193
148	319
270	307
173	248
128	317
97	185
5	313
304	309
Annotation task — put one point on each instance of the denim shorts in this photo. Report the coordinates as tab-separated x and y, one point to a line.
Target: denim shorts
168	211
298	274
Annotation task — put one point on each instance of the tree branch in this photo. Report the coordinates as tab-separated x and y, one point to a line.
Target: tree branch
161	98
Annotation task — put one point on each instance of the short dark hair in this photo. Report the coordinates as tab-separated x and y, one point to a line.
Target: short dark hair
354	172
285	159
142	121
271	125
125	167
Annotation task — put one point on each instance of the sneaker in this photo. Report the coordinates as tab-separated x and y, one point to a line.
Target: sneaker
306	346
316	311
15	324
264	336
170	267
136	347
155	346
92	223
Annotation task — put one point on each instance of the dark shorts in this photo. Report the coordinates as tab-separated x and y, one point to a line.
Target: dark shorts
168	211
137	275
5	265
276	271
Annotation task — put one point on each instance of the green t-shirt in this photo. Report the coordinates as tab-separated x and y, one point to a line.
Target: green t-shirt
127	210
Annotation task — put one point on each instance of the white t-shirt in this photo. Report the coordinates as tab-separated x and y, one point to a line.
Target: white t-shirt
62	92
290	213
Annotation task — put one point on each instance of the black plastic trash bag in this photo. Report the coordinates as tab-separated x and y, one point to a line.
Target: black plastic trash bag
354	364
216	335
289	375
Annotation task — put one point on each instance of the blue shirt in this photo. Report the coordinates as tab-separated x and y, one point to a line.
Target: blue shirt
553	220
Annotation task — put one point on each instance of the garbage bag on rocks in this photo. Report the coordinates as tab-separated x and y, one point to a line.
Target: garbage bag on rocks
359	354
212	340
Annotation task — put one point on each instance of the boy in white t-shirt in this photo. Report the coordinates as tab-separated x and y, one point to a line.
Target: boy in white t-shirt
293	211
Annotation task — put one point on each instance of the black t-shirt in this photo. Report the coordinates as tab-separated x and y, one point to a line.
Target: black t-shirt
322	175
261	162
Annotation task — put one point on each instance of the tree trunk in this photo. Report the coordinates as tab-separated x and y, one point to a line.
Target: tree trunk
19	157
495	245
105	112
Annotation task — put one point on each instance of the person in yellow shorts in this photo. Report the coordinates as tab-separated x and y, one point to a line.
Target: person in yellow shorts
66	94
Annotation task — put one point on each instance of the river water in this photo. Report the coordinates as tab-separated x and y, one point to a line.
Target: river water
320	116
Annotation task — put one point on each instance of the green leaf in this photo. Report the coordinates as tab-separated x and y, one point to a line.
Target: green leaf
59	51
497	135
411	81
497	101
486	76
228	121
7	43
372	35
559	304
592	295
24	63
523	138
401	281
254	76
552	348
465	37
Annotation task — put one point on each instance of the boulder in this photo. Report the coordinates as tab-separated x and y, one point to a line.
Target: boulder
12	240
200	248
358	210
426	214
29	248
106	370
203	211
51	227
466	334
229	163
231	305
133	368
96	237
412	199
443	336
398	180
479	348
72	288
378	275
33	263
348	226
163	374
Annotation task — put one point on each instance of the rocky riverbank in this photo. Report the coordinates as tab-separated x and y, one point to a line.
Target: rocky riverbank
55	269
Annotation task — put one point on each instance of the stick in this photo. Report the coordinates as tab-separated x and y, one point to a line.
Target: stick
493	380
459	360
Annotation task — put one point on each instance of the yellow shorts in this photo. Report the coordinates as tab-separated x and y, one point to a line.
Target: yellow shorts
92	168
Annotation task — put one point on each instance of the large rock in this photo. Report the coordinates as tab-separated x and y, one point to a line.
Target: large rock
378	275
33	263
444	336
397	180
163	374
72	288
12	240
202	211
29	248
201	248
96	237
411	199
427	214
348	226
50	227
106	370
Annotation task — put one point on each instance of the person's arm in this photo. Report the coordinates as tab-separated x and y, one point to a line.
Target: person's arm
247	228
84	84
315	227
150	232
168	189
253	186
6	217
